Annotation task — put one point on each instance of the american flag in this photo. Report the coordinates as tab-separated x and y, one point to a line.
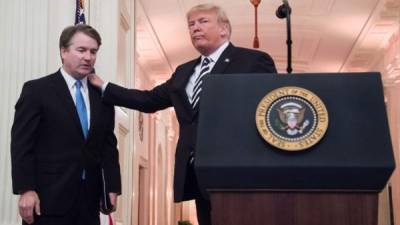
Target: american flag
80	13
80	19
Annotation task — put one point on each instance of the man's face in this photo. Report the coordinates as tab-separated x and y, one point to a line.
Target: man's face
80	56
206	33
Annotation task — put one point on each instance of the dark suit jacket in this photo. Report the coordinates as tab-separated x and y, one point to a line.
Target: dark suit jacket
48	149
172	93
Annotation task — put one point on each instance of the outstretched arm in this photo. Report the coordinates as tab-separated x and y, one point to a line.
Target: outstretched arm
143	100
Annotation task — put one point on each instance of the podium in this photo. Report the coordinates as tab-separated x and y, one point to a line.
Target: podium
334	182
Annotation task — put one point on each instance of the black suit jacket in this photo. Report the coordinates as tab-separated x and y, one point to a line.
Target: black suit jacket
48	149
233	60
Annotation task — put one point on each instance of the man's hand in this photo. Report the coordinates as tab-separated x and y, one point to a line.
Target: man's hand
29	202
113	200
95	80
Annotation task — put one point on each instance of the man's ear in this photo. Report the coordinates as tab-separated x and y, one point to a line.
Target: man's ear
224	30
62	52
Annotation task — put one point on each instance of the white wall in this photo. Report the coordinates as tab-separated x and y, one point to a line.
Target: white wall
29	43
27	29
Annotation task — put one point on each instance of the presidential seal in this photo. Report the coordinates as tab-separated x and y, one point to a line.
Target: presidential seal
292	118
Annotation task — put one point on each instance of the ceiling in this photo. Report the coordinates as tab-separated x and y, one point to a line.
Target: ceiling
328	35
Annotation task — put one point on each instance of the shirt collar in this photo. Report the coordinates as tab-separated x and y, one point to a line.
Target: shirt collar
71	80
217	53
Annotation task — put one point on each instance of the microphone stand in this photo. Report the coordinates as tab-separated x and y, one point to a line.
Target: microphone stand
284	11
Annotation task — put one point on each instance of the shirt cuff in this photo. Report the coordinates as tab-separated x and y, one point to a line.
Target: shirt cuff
103	87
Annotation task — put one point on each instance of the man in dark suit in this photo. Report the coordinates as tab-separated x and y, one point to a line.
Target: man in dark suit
63	138
210	31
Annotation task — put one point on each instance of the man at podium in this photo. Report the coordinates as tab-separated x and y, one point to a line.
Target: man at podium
210	32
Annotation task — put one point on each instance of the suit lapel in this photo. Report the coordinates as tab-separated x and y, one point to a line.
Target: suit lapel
188	69
220	66
184	74
95	107
62	91
224	60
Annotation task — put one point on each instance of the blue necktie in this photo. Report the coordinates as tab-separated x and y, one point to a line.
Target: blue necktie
81	108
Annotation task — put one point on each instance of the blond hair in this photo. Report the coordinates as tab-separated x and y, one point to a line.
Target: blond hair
221	15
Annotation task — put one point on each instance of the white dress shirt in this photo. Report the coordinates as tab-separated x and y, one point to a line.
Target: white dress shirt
72	89
189	87
214	58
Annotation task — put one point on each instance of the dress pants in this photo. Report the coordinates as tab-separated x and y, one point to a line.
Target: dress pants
203	205
203	210
79	214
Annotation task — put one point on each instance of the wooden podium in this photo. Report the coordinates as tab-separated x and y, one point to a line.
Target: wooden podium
335	182
295	208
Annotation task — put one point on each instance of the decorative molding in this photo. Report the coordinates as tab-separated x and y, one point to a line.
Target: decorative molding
140	126
125	16
172	125
370	48
392	69
151	55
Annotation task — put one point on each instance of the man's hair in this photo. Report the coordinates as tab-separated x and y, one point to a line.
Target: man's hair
69	32
221	15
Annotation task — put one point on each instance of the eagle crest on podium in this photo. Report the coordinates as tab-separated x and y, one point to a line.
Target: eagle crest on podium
291	116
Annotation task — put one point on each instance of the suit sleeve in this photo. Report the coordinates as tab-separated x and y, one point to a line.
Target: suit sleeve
143	100
264	64
110	160
23	135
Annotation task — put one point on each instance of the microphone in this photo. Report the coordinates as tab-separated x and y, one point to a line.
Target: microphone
282	12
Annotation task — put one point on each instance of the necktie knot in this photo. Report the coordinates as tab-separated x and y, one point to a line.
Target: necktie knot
206	61
78	84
